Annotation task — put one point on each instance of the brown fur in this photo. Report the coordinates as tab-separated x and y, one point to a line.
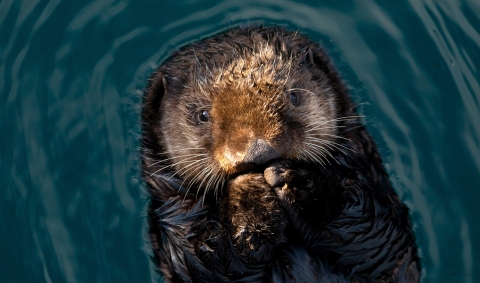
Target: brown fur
256	160
247	98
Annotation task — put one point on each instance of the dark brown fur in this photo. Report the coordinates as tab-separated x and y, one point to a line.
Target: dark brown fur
260	170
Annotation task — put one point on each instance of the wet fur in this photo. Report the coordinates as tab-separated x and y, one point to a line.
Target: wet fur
324	212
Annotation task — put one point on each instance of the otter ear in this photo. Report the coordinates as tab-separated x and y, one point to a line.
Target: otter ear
152	100
154	94
313	55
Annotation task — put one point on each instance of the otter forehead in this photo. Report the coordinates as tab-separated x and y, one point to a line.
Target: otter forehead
250	90
262	67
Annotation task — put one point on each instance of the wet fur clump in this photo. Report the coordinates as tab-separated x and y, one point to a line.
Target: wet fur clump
260	170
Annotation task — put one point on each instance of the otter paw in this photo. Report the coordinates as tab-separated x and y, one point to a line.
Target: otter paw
256	216
278	173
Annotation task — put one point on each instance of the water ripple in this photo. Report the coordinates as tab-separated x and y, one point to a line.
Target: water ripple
71	78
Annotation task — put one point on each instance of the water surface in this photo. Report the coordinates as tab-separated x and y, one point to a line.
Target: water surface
71	74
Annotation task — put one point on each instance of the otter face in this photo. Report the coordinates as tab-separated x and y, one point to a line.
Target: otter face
227	112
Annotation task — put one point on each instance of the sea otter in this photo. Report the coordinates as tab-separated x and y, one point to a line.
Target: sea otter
260	169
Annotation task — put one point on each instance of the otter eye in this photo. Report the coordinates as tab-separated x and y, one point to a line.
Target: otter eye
202	116
294	98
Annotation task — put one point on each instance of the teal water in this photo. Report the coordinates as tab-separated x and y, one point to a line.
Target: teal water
72	72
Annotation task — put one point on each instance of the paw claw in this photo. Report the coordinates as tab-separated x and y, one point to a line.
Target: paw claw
281	191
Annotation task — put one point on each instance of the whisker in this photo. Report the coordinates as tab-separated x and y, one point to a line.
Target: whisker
334	136
321	141
183	171
321	149
187	148
319	127
206	188
318	157
313	157
339	147
205	172
197	177
166	159
165	153
211	179
218	184
334	144
191	167
319	124
175	164
192	181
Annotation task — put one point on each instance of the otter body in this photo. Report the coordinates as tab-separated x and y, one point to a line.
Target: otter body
260	170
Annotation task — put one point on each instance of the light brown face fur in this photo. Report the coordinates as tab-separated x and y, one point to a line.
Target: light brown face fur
262	94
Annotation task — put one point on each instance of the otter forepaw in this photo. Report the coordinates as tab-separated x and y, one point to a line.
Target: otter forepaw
281	175
278	173
256	216
285	178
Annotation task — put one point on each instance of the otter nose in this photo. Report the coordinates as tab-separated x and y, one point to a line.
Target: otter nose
260	152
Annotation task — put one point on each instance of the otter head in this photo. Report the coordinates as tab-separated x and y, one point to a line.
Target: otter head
234	102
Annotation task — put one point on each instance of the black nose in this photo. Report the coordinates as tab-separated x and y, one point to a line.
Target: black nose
260	152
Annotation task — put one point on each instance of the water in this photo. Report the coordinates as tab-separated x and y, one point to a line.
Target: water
71	74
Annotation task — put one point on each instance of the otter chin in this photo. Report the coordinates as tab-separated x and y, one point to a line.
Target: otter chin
260	169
